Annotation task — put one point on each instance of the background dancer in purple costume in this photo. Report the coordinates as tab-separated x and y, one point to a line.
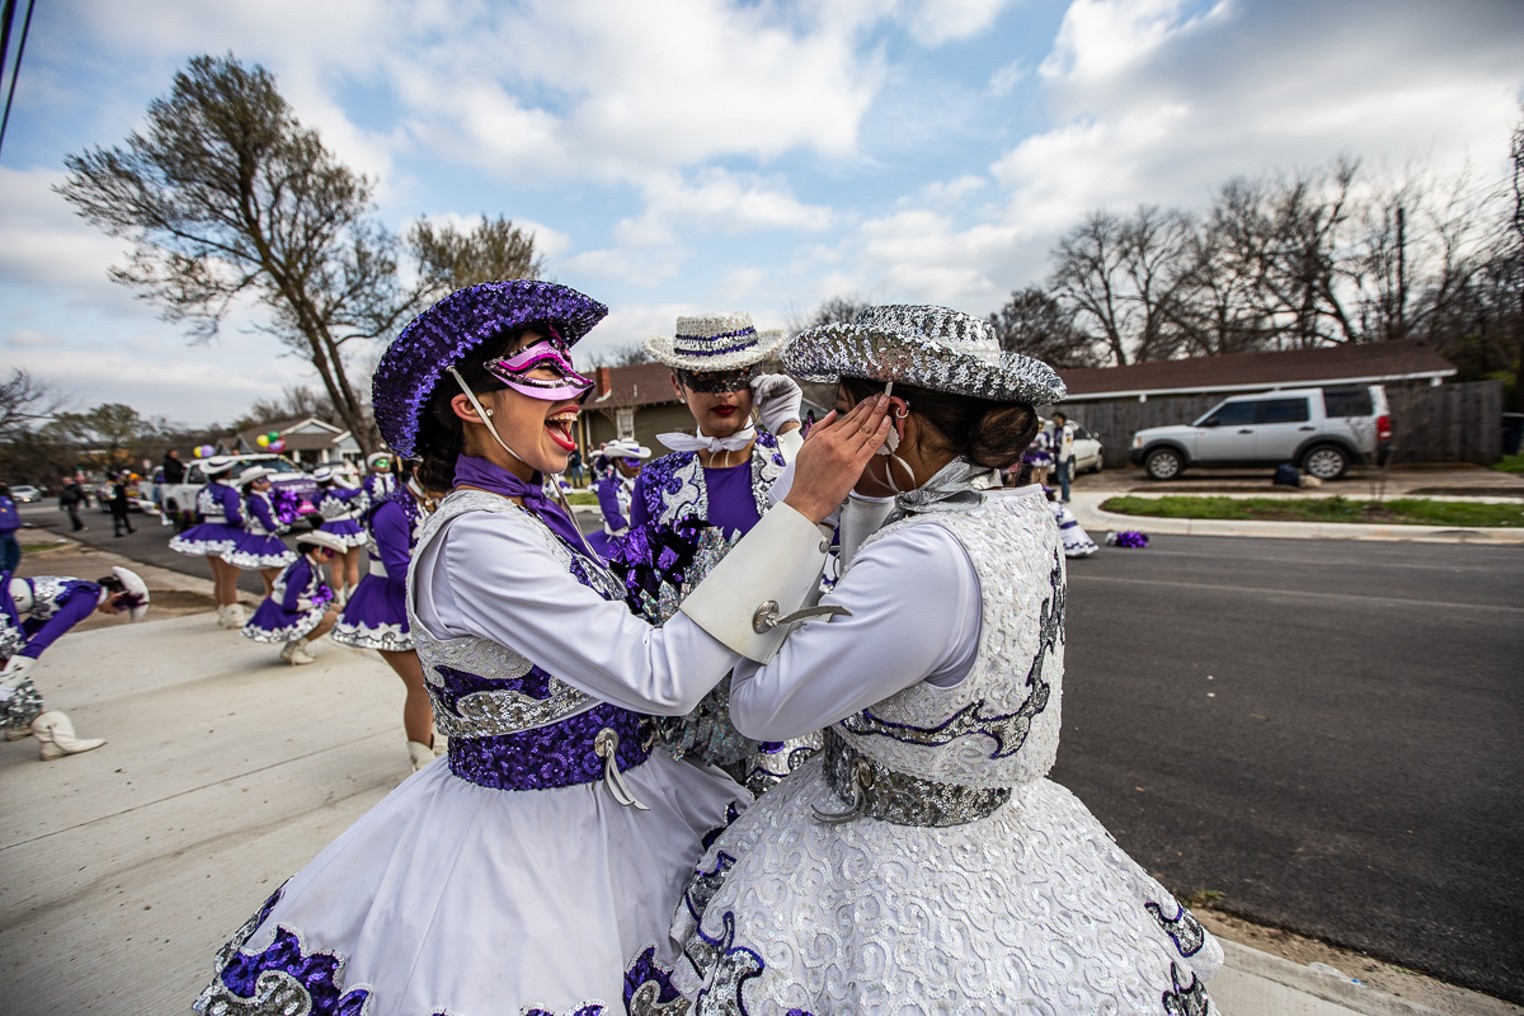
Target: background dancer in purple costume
615	488
219	509
341	509
720	476
923	861
300	606
538	862
51	605
376	615
260	548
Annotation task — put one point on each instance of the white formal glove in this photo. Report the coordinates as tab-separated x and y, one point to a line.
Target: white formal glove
16	669
777	398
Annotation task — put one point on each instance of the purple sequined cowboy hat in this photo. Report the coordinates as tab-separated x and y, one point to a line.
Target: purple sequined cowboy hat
929	347
441	336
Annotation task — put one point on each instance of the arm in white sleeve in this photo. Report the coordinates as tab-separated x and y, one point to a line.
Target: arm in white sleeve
494	576
914	598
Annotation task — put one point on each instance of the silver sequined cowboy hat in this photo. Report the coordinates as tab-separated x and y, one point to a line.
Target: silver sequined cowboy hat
929	347
715	342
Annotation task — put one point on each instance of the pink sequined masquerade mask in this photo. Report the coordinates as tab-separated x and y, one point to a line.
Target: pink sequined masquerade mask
514	372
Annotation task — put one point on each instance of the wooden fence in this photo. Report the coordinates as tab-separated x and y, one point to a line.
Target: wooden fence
1444	423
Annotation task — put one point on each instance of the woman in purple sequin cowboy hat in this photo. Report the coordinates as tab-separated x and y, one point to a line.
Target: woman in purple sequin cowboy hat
534	869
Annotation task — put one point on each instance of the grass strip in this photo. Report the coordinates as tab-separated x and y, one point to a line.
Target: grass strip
1409	511
1510	464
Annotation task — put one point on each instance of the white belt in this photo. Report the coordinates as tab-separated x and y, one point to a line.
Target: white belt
377	569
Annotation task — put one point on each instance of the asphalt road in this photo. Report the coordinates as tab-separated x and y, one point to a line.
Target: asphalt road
1326	733
1315	735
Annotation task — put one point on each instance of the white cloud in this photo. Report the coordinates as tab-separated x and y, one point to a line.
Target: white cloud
934	22
1007	78
1100	40
42	241
716	201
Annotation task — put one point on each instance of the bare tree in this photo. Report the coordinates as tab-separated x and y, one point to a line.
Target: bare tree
626	354
25	402
1035	323
225	195
1122	280
449	259
840	309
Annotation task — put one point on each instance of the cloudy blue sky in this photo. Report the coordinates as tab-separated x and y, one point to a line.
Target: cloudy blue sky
678	156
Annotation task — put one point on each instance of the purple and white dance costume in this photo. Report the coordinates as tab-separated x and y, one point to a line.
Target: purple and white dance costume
377	487
678	488
552	809
260	546
220	508
58	603
376	615
295	605
342	509
615	492
923	861
1077	542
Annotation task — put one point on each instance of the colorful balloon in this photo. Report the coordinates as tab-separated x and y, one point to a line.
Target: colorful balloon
278	445
263	440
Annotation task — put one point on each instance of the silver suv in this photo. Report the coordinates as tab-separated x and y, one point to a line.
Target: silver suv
1322	430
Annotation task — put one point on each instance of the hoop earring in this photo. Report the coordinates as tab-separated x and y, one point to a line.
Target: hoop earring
901	412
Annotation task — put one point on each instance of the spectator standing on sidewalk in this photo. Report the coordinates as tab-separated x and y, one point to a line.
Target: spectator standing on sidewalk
68	501
10	521
119	518
1063	454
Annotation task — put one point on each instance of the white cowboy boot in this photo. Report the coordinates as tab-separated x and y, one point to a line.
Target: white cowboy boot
55	737
299	654
420	754
227	616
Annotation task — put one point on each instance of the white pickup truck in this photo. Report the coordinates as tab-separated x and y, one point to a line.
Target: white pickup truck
179	499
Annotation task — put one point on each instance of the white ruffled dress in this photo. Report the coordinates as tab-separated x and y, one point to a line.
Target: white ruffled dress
923	862
515	875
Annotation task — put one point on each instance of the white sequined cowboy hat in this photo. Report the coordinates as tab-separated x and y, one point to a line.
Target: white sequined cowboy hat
622	448
251	474
319	538
715	342
136	590
928	347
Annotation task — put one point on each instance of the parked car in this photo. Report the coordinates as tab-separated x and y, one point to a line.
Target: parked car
1087	451
25	493
1322	430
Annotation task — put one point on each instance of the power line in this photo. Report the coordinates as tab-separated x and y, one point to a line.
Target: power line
10	96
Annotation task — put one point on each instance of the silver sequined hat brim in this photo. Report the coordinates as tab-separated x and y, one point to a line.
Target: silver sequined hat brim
929	347
715	331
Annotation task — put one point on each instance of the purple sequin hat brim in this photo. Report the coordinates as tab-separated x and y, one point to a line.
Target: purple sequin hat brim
441	337
928	347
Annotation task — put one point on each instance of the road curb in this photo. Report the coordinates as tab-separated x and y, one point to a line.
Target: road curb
1254	982
156	576
1087	510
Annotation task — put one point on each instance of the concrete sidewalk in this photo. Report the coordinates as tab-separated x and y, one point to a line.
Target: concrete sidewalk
126	868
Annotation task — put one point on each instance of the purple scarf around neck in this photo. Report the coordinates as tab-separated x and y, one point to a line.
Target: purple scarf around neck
471	471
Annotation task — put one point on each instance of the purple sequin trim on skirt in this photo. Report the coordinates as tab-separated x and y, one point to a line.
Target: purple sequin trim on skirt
558	755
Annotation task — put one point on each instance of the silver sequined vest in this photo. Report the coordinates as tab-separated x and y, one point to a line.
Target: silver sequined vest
999	726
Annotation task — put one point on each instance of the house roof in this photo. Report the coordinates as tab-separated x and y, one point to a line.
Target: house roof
1368	363
639	384
302	433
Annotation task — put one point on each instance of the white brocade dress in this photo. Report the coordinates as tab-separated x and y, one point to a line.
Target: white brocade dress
511	877
923	863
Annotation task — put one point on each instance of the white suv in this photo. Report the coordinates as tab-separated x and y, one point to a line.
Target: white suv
1322	430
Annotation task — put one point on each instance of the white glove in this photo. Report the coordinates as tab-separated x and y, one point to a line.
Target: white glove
777	398
15	672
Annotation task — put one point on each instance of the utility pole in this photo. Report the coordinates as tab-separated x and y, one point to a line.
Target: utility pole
1402	271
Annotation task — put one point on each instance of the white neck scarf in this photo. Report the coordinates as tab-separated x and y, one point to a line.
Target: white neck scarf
682	441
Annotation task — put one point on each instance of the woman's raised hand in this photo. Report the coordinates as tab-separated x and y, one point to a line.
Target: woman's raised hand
834	456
